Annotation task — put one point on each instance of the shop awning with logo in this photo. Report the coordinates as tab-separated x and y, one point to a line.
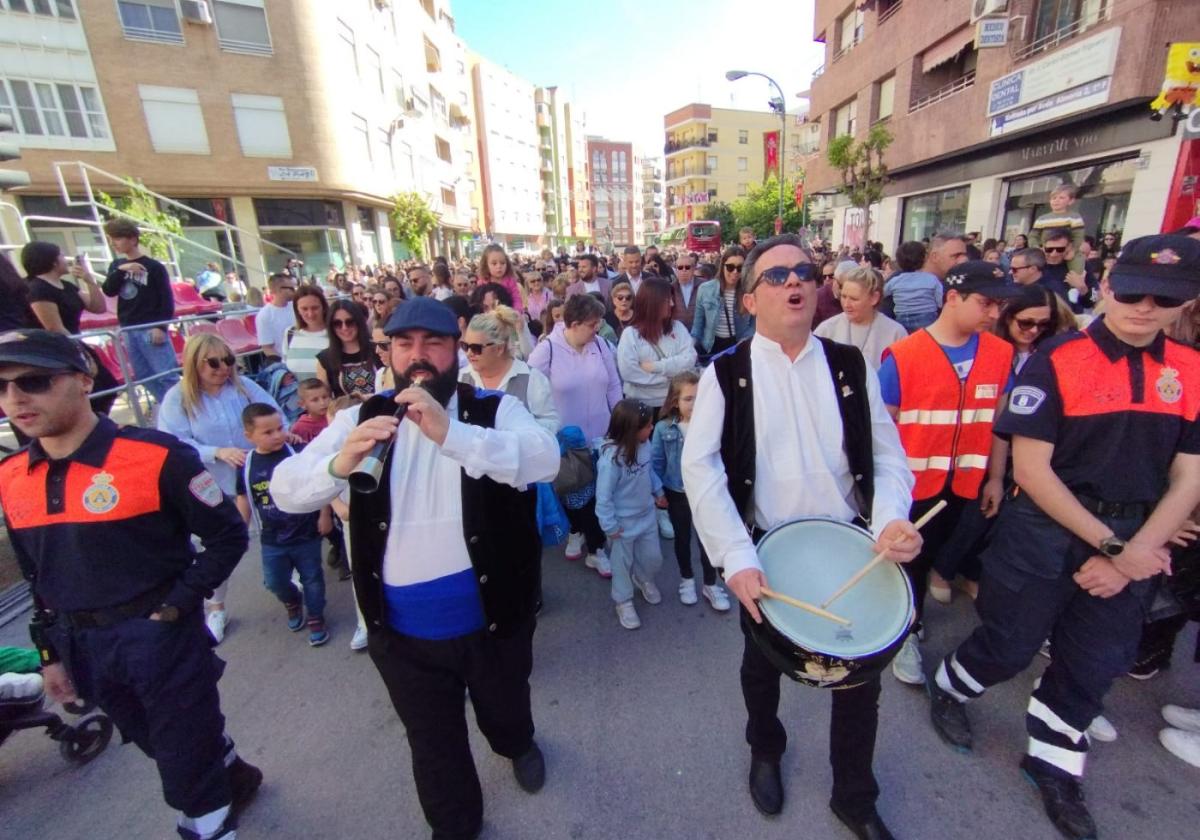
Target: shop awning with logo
947	49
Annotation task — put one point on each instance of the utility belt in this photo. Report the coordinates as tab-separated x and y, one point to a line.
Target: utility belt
138	607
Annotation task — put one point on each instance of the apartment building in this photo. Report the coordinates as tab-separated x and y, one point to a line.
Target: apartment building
296	122
510	156
616	204
715	154
563	154
992	104
652	197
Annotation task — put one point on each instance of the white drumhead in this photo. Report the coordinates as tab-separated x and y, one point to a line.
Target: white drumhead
809	559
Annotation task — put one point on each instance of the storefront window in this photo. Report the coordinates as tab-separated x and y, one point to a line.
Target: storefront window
202	236
319	248
1103	200
932	213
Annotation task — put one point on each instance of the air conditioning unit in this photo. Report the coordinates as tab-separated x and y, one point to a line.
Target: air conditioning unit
196	11
983	8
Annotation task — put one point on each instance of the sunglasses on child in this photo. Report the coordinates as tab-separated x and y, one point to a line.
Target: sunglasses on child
215	362
1161	301
32	383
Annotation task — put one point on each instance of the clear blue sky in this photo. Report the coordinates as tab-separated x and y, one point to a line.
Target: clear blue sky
627	63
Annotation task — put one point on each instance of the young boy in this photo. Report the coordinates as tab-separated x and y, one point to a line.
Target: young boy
289	541
314	400
1062	216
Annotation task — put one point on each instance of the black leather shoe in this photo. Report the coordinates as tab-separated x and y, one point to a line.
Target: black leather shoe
529	768
1062	796
766	786
244	781
872	828
949	717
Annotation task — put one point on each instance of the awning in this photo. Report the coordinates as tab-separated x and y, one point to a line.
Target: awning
947	48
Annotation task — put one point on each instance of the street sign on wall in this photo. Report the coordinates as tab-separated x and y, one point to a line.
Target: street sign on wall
991	32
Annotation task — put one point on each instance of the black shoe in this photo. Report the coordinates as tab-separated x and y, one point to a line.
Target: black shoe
529	768
766	786
949	717
1062	796
244	781
344	573
333	557
871	828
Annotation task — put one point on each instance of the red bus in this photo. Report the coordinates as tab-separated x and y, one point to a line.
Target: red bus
703	236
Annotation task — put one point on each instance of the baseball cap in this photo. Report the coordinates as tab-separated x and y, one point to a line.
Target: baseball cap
980	277
1167	265
422	313
43	349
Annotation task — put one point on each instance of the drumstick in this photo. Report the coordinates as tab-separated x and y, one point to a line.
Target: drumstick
804	605
878	558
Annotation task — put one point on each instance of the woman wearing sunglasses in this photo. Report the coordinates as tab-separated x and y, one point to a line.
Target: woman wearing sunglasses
204	410
620	313
347	365
492	343
1030	319
310	335
720	322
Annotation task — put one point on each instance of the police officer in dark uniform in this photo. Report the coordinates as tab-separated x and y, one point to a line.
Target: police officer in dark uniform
100	518
1106	456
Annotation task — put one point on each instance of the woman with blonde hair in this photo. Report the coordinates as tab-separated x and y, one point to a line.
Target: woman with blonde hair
492	345
859	324
204	410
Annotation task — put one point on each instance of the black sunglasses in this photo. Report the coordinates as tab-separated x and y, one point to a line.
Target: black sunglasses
828	275
1031	324
733	266
215	363
382	345
684	267
475	349
1162	301
32	383
778	275
340	322
1060	249
622	297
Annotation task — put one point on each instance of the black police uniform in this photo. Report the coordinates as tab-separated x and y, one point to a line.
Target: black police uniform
1117	416
103	537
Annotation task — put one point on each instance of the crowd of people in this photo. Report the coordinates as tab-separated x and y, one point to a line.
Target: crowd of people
618	402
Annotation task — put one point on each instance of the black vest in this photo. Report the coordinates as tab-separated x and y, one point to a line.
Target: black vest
849	372
499	527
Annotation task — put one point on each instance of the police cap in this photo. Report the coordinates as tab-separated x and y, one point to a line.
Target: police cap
43	349
981	277
1166	265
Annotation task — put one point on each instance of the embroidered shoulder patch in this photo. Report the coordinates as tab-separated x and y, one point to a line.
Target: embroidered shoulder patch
1026	399
205	488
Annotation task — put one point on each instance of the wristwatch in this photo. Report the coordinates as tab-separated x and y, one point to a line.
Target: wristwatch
1111	546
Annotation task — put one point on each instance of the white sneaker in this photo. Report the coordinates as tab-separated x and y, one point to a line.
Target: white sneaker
687	592
665	529
216	620
574	546
907	666
599	561
360	638
648	589
1102	730
1183	745
716	597
1181	718
628	616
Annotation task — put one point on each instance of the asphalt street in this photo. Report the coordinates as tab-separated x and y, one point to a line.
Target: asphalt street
643	734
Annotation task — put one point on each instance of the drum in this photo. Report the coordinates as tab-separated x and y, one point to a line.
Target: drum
809	559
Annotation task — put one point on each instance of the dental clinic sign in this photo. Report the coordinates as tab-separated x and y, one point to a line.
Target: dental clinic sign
1067	81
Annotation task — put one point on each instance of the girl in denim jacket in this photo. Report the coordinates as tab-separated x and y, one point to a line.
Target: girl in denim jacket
666	448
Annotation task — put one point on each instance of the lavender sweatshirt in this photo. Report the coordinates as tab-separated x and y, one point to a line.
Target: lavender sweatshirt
585	385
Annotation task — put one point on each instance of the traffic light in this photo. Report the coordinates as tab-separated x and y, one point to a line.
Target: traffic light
10	178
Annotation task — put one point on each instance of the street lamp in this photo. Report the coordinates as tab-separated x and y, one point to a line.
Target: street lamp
733	76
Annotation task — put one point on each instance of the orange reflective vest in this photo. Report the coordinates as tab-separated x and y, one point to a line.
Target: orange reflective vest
945	424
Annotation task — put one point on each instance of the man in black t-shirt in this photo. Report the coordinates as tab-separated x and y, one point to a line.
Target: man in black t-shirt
143	291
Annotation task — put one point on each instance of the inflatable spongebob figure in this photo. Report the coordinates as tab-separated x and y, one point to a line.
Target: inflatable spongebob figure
1181	87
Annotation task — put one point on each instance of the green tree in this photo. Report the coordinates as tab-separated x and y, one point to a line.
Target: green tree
719	211
412	221
758	208
159	225
864	174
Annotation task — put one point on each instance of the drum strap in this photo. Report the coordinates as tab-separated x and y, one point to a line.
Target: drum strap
738	450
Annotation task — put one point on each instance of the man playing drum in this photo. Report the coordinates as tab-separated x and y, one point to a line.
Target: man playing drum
789	426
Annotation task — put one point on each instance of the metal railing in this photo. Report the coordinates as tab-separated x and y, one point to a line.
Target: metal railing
1064	33
944	92
673	146
887	13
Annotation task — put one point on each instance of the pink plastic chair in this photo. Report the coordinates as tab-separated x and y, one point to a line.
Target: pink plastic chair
189	302
98	320
234	332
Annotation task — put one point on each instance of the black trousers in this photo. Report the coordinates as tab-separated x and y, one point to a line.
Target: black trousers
426	680
157	680
583	521
681	520
852	727
936	534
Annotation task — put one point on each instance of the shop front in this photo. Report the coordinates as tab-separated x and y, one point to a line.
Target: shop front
931	213
312	228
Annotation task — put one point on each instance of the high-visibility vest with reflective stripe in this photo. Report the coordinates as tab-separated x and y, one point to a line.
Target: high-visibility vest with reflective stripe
946	425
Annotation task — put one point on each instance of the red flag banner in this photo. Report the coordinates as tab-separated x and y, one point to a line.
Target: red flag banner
770	153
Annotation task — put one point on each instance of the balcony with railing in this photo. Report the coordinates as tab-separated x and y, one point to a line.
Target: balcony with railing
944	92
886	10
1082	21
673	146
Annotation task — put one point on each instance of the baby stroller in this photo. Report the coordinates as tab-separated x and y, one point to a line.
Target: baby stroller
22	706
